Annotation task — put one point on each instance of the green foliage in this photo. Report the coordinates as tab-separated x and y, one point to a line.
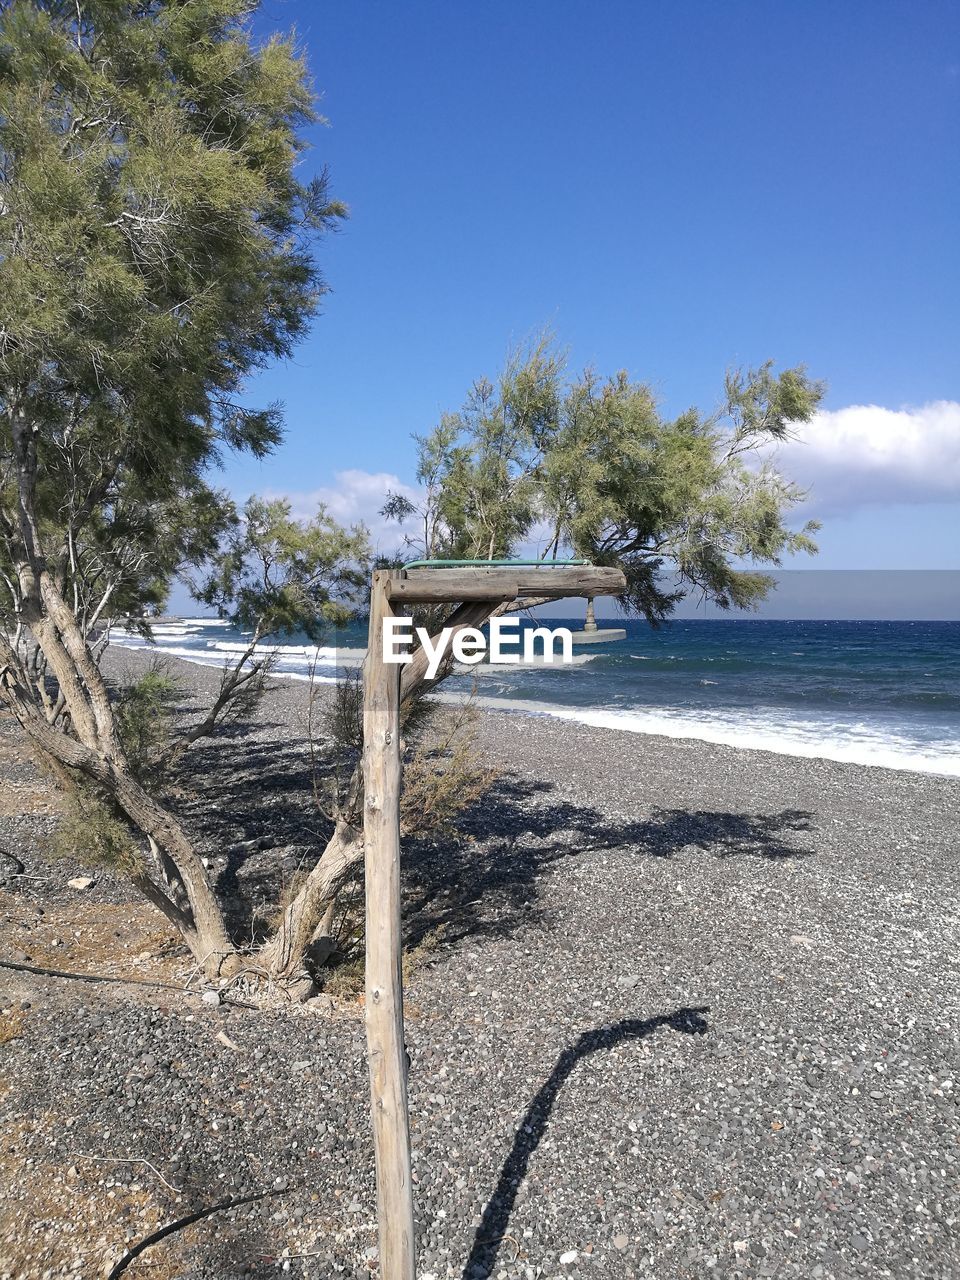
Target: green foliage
593	469
278	575
442	777
143	711
693	495
343	715
243	686
91	833
155	247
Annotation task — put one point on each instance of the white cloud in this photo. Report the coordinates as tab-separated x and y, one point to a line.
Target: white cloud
847	458
865	454
355	497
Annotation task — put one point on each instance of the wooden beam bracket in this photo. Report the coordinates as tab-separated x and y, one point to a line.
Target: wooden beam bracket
456	586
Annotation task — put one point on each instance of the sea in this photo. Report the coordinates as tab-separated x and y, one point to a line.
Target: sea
872	693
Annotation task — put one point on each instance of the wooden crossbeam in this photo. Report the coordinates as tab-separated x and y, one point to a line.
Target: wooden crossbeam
437	586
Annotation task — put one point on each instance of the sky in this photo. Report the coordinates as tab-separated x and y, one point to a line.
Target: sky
673	189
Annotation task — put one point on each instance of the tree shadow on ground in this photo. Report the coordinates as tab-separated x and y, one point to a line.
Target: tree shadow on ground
253	807
492	1230
487	881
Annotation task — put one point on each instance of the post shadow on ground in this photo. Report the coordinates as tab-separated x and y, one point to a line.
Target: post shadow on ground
496	1216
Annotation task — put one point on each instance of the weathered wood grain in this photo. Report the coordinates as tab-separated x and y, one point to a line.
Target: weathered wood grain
438	585
384	984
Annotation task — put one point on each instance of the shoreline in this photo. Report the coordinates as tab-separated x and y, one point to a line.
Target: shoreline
658	723
610	771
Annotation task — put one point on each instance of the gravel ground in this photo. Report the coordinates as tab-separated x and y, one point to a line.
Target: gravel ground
692	1012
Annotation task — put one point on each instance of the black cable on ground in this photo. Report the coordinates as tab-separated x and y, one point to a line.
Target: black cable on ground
87	977
178	1225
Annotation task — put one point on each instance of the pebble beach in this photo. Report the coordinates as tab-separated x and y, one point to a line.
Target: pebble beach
674	1010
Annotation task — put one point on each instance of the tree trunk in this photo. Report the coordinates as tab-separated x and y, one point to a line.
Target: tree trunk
283	956
74	643
92	746
207	939
199	920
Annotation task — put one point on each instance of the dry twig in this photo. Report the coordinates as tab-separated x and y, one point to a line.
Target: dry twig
81	1155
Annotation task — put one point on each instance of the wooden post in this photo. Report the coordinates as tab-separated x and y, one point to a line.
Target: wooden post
384	984
381	844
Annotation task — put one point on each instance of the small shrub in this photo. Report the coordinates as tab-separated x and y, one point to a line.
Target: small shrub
442	777
343	717
143	719
90	833
344	979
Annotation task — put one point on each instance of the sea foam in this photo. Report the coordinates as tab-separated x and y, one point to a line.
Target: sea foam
808	740
854	741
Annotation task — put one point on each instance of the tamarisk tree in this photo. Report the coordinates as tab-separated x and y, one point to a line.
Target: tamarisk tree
590	467
155	248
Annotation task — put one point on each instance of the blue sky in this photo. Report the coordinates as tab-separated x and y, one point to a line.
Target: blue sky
673	188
